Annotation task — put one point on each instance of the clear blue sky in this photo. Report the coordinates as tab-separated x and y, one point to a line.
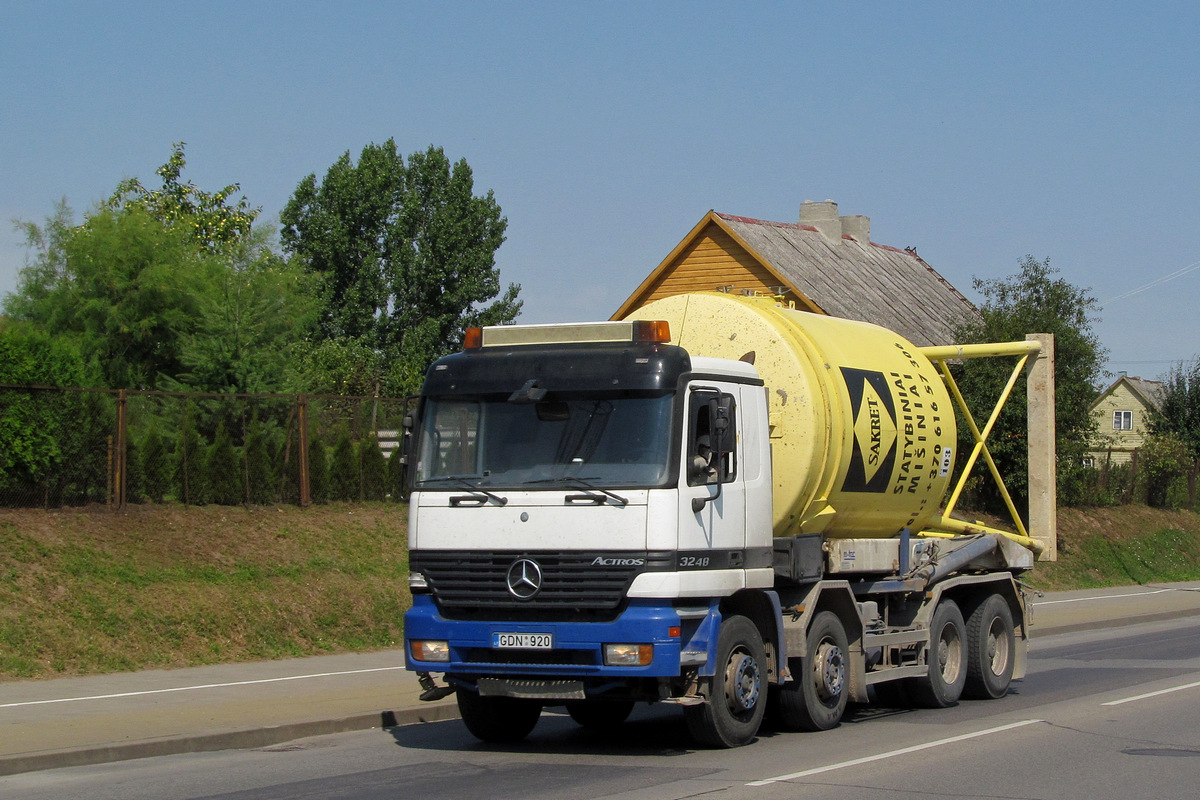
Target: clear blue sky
978	133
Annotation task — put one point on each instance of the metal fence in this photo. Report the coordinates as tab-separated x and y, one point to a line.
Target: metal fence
69	447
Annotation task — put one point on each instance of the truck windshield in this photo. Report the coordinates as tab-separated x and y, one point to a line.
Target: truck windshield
606	440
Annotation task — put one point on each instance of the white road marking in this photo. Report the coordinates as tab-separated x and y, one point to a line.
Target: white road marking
893	753
1101	597
1152	694
195	688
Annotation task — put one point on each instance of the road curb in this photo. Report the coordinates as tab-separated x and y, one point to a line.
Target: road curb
248	738
1036	631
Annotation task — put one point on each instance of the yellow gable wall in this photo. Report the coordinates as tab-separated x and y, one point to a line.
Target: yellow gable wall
1122	443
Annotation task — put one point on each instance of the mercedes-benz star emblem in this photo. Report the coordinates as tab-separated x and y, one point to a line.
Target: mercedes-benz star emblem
524	578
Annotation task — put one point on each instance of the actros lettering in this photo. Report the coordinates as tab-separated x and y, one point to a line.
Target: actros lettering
601	561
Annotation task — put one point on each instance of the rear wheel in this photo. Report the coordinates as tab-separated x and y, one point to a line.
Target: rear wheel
815	699
600	714
947	656
736	693
500	720
991	647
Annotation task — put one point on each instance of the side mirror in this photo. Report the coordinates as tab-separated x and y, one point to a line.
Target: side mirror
722	440
408	445
406	437
723	435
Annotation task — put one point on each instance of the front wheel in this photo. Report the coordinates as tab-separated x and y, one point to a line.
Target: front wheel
947	652
736	693
991	647
499	720
815	699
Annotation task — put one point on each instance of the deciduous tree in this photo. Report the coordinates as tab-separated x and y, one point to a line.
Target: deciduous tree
33	425
166	288
1034	300
207	218
406	255
1179	412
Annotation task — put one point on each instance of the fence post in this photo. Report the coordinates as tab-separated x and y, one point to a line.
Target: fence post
109	461
1133	470
302	447
122	433
183	448
1192	485
245	458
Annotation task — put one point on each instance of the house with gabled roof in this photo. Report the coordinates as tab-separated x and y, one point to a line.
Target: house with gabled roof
824	263
1122	413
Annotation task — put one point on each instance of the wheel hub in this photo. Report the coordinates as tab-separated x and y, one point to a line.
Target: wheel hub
997	647
949	654
742	682
829	668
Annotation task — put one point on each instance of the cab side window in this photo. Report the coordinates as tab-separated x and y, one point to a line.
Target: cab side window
711	438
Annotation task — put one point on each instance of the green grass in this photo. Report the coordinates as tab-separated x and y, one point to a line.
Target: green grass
169	586
1122	546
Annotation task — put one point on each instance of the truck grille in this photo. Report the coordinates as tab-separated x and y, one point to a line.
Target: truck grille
574	585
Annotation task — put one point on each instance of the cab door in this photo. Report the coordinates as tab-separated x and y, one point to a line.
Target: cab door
712	496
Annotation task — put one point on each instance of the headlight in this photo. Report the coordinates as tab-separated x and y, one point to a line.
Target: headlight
628	655
417	583
429	650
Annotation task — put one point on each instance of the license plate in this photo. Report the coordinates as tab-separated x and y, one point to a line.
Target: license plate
523	641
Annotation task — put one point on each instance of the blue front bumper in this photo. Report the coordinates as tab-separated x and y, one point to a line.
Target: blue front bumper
578	647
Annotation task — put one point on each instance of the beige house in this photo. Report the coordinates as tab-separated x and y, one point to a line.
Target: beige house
824	262
1122	414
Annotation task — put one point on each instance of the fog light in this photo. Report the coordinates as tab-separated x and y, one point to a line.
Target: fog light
628	655
429	650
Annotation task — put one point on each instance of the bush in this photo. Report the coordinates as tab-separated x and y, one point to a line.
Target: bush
374	469
258	461
343	468
1164	459
318	470
155	463
189	463
224	470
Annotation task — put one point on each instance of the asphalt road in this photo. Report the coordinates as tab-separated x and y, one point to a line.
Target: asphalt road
1102	714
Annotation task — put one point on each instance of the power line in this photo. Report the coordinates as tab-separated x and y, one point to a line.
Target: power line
1158	281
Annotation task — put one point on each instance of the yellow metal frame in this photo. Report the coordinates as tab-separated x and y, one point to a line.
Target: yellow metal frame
941	356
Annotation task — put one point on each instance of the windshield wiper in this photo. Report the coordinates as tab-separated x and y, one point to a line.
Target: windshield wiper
461	480
584	483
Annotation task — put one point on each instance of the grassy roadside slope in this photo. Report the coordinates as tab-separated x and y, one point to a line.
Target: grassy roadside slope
167	586
1121	546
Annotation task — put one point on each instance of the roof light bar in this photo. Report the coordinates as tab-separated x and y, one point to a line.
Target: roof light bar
640	331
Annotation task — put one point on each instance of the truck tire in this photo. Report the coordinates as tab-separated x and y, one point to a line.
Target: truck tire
737	693
947	657
600	715
815	699
991	646
499	720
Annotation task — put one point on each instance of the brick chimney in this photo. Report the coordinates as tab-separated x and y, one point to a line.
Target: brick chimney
824	217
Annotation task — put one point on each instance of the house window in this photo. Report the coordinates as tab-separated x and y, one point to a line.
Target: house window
1122	420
